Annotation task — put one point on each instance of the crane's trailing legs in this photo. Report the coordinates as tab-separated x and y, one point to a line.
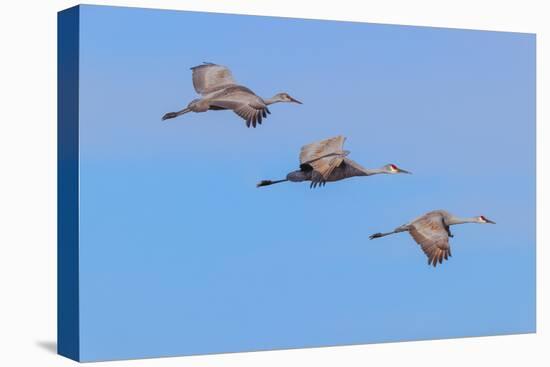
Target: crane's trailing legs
269	182
295	176
171	115
402	228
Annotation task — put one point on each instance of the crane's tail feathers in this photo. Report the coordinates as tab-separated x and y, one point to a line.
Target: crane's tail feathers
171	115
268	182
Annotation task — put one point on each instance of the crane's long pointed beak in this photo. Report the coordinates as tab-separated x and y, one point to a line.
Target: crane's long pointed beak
490	221
403	171
295	100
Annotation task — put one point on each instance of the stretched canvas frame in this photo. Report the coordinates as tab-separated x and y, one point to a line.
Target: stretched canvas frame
167	247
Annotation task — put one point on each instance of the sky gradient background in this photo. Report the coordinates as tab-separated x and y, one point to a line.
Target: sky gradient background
180	253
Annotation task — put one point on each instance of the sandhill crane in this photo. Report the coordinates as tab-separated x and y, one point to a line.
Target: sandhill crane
326	161
432	231
220	91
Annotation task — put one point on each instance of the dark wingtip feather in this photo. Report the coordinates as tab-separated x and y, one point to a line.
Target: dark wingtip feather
204	63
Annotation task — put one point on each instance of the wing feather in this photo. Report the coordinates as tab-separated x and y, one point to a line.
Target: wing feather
242	101
323	157
209	77
323	168
430	233
321	149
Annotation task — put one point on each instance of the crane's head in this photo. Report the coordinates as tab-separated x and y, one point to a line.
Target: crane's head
393	169
483	220
285	97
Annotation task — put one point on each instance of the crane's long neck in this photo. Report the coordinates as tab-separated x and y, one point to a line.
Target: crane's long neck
452	220
271	100
371	171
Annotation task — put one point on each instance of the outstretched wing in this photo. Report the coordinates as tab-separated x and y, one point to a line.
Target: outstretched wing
430	233
243	102
323	157
321	149
210	77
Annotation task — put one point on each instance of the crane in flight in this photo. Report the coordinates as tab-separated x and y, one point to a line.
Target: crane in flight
326	161
219	91
432	231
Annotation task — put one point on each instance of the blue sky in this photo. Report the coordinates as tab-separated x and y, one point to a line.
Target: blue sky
181	254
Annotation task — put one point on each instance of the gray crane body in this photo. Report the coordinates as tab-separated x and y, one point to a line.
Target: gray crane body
432	232
219	91
326	161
